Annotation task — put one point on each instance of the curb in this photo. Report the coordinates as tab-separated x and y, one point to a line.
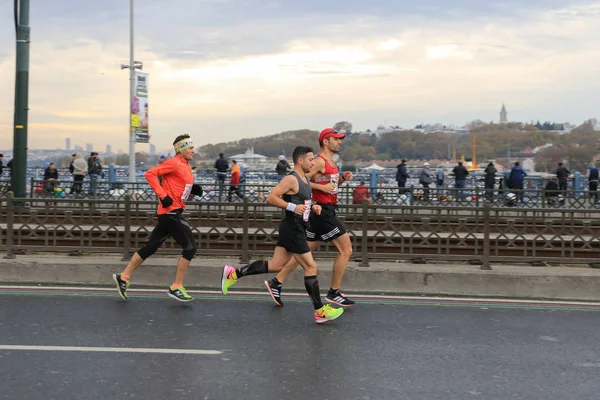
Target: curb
547	283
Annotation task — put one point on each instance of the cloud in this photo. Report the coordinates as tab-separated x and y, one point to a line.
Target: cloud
390	45
447	51
246	68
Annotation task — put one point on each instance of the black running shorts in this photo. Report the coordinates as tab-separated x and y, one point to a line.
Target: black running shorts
172	224
292	237
325	227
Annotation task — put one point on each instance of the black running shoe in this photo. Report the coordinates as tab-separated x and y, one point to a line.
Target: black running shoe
180	294
275	291
339	298
122	286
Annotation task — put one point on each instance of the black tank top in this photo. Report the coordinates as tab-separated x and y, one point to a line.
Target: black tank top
303	196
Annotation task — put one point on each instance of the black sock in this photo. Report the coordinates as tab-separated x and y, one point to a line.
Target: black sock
332	290
276	282
312	288
254	268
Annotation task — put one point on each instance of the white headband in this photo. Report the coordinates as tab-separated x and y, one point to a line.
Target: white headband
183	144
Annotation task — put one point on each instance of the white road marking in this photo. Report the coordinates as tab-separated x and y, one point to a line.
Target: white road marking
110	349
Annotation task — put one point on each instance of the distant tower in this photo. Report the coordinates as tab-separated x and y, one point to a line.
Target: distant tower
88	147
68	143
108	149
152	149
503	115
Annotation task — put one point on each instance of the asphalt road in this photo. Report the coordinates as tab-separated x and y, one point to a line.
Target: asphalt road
253	350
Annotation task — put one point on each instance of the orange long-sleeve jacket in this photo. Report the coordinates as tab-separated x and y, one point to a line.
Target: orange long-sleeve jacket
177	181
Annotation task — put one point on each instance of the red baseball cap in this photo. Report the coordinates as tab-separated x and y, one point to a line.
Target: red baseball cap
330	132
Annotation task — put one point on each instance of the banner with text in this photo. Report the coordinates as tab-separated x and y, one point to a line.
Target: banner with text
139	108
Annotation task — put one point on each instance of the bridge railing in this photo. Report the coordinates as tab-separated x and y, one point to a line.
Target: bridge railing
479	234
378	195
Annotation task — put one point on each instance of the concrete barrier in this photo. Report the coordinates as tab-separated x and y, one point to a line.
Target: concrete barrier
520	282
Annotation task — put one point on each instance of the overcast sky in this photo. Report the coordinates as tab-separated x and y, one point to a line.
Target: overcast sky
223	70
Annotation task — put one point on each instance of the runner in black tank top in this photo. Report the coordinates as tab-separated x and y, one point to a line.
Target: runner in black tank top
292	229
292	194
327	226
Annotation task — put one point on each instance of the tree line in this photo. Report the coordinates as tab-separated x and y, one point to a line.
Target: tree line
492	141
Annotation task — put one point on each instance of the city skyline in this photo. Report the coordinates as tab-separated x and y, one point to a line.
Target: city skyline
239	71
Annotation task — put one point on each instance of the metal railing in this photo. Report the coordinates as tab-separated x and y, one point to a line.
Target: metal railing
378	195
478	233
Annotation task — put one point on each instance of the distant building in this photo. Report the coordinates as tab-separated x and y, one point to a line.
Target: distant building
251	160
78	148
108	149
152	149
88	147
503	115
68	144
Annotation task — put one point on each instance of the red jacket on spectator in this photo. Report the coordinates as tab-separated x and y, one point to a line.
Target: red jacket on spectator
235	175
360	193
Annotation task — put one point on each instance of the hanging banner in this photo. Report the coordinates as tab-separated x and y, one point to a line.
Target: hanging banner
139	108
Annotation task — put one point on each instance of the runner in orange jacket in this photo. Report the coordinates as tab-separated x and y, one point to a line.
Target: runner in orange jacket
177	185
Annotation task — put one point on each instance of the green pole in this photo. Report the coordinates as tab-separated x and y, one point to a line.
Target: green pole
19	164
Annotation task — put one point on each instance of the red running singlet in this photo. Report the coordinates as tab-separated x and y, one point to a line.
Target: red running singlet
332	174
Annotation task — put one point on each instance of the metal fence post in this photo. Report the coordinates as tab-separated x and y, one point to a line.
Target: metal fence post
486	237
364	261
543	199
127	232
31	188
245	257
9	226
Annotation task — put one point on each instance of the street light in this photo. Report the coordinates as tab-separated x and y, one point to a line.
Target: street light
132	66
21	117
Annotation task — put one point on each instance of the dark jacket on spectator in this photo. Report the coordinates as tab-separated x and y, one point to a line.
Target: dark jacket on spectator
50	174
490	174
94	166
221	165
401	174
551	189
517	174
594	175
282	167
562	173
460	172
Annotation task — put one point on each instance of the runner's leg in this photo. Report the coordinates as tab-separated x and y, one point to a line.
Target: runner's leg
344	246
292	264
323	313
182	233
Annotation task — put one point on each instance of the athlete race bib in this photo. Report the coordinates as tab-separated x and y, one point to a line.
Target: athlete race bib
186	191
334	178
306	213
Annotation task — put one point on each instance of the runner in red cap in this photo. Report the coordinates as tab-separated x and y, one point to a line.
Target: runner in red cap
326	227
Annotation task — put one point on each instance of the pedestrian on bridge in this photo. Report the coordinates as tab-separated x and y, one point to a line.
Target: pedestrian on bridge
236	173
562	174
79	167
177	185
401	177
593	177
460	173
490	180
517	178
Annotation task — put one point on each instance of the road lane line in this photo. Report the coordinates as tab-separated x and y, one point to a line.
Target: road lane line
110	349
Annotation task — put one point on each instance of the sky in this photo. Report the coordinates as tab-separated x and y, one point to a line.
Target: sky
222	70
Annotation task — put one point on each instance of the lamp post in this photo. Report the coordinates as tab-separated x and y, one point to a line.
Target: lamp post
132	66
19	163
